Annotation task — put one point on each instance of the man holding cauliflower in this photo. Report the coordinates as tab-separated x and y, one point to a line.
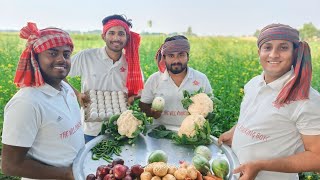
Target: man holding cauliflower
174	76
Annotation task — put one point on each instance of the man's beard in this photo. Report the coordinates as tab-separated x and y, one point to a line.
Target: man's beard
178	70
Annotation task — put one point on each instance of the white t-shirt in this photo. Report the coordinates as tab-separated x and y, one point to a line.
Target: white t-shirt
98	72
46	120
160	84
266	132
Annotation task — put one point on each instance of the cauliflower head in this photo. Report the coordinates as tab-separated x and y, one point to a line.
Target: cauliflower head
127	124
188	125
202	104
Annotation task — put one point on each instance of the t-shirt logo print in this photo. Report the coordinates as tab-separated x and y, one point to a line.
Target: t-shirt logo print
122	69
196	83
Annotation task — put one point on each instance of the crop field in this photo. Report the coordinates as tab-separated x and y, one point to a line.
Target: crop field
228	62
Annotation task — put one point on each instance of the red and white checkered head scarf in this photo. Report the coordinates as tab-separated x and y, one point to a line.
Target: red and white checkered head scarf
177	45
299	86
28	70
134	77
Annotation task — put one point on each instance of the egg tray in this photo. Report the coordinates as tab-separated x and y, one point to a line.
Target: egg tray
104	104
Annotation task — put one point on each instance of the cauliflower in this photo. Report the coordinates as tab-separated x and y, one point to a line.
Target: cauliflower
127	124
188	126
202	104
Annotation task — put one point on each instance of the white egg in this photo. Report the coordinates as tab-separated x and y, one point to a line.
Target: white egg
120	93
109	110
106	93
117	113
93	110
101	106
115	101
109	114
123	105
122	96
123	109
108	106
102	115
93	105
92	91
94	115
101	97
94	100
116	109
102	110
115	106
99	93
93	96
122	100
114	93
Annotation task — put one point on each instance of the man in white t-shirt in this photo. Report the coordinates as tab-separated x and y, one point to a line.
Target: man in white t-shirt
173	77
278	131
42	131
108	68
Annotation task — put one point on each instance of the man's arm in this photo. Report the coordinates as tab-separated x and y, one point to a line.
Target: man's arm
15	163
302	162
83	99
149	111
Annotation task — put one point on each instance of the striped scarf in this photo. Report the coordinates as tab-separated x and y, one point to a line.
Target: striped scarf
28	72
178	45
134	77
299	86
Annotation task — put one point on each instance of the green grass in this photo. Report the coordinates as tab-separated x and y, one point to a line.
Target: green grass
228	62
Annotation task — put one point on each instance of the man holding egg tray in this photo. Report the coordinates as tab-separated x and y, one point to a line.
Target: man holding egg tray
174	77
108	72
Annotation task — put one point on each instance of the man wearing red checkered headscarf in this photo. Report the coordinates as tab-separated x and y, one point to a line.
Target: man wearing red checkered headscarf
42	122
114	67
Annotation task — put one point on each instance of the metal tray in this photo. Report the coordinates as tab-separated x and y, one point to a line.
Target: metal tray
139	152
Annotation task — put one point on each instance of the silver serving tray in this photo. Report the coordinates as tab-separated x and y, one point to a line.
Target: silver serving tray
139	152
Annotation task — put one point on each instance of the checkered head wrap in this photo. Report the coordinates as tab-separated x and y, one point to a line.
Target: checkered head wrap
298	87
178	45
134	77
28	70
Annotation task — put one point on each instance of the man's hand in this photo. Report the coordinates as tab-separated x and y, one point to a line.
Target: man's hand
155	114
83	99
131	99
248	171
226	137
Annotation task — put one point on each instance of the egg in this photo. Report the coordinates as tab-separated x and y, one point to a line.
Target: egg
120	93
94	115
108	106
123	109
109	114
123	105
102	115
93	110
92	91
106	93
122	100
102	110
109	110
101	106
93	105
93	100
114	93
99	93
100	97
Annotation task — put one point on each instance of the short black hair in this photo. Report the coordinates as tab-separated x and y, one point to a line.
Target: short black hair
175	38
119	17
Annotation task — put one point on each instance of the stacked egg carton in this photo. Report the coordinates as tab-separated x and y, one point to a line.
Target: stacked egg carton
104	104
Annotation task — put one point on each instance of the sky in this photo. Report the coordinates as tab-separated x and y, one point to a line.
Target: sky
205	17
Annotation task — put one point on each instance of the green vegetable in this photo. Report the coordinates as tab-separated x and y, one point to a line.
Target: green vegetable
105	149
201	164
158	156
220	167
161	132
203	151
